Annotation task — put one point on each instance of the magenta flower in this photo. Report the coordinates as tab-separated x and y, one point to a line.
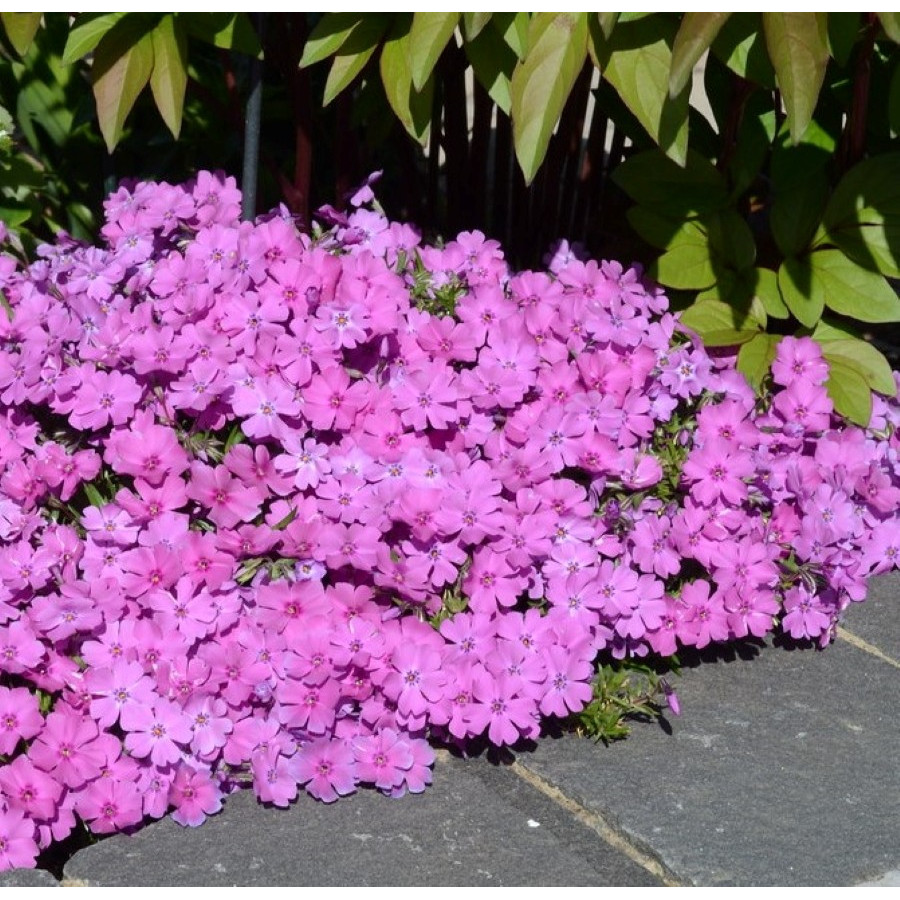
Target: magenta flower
327	768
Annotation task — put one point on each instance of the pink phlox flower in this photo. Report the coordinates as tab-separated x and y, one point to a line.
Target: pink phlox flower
195	795
327	768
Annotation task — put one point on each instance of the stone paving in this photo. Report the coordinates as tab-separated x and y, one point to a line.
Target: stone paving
782	769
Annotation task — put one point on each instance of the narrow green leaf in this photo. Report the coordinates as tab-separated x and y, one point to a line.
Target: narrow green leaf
798	48
354	53
168	80
474	22
636	62
21	29
86	32
228	30
766	290
328	36
848	390
607	22
94	495
697	31
557	48
656	182
412	107
514	29
863	357
852	291
755	358
493	62
430	33
122	66
890	22
803	293
685	267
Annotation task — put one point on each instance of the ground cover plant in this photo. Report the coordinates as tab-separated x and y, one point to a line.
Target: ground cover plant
283	509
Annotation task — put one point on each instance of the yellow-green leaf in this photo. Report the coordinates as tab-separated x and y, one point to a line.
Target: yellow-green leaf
638	69
121	70
493	62
86	32
228	30
755	358
607	22
541	83
720	324
328	36
474	22
890	22
354	53
168	80
686	267
863	357
801	291
696	32
849	391
798	48
766	291
21	29
430	33
851	290
412	107
514	29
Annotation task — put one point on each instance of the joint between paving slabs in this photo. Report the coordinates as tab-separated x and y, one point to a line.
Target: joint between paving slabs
613	836
866	647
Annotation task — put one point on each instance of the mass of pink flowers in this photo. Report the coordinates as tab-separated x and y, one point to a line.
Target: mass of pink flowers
284	508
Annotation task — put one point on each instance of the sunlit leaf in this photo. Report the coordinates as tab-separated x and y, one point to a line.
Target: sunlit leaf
168	80
21	27
429	35
695	34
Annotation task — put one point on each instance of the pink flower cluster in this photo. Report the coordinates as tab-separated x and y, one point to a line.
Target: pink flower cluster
272	513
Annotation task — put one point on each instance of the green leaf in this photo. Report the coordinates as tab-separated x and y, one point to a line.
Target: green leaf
636	62
663	232
514	29
718	324
890	22
607	22
328	36
730	239
852	291
684	267
168	80
228	30
493	62
766	290
94	495
542	82
843	30
741	46
697	31
430	33
656	182
850	393
21	29
13	212
474	22
801	291
894	102
871	240
863	357
737	291
412	107
87	31
875	183
122	66
355	52
755	358
798	48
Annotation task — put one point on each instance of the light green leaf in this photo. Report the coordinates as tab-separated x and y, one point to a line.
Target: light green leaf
94	495
328	36
798	48
122	66
542	82
13	213
766	290
684	267
802	292
697	31
849	391
871	240
875	183
663	232
890	22
513	28
430	33
228	30
636	62
741	46
736	291
412	107
719	324
168	80
852	291
355	52
755	358
493	62
21	29
607	22
863	357
656	182
87	31
474	22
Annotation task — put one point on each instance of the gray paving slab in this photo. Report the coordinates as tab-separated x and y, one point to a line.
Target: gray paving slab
458	832
782	770
877	620
27	878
